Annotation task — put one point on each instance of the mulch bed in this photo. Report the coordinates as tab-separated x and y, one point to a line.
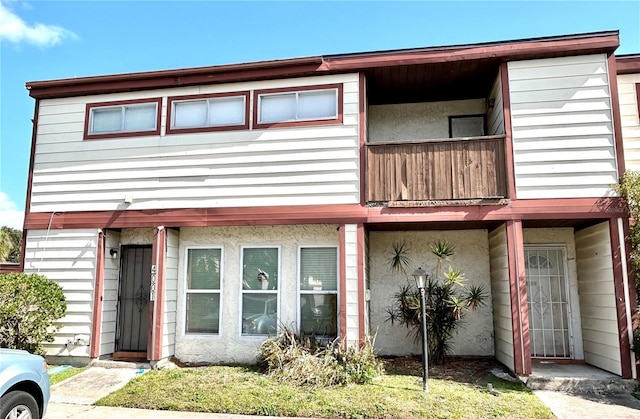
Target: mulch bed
468	370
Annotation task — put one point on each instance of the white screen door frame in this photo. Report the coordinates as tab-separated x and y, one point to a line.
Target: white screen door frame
548	301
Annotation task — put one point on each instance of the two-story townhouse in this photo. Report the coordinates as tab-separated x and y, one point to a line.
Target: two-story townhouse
193	212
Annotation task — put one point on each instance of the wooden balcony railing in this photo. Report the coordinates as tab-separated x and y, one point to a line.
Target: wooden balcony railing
430	170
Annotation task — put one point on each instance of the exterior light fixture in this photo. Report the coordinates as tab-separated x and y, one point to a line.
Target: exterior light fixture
113	253
420	275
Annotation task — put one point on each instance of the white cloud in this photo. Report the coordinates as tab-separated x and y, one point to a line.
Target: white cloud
9	215
16	30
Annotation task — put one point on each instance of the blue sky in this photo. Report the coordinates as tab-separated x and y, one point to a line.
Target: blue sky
44	40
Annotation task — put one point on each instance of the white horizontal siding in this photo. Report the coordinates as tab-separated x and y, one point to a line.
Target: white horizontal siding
110	293
170	293
562	127
628	98
495	115
67	257
501	297
287	166
352	254
597	298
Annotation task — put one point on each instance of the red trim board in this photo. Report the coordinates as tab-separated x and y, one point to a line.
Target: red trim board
98	288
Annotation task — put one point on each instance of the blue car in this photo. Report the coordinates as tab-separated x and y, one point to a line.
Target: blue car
24	385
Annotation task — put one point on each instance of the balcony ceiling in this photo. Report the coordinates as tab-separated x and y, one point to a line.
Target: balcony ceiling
455	80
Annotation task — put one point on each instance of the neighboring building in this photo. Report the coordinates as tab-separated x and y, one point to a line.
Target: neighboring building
245	197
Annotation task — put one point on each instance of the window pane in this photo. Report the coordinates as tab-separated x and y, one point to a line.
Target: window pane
203	313
278	108
260	269
318	314
140	118
227	111
106	120
190	114
467	126
319	268
203	269
316	105
259	314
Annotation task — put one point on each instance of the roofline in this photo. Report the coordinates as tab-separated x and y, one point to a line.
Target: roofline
479	44
297	67
628	63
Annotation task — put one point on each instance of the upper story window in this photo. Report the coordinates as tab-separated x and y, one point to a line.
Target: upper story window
123	119
215	112
203	288
466	126
311	105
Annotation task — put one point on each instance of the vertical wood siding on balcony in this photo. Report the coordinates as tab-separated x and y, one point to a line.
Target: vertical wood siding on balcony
279	166
629	99
67	257
442	170
562	127
597	298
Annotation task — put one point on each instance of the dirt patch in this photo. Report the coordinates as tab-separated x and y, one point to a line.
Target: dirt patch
467	370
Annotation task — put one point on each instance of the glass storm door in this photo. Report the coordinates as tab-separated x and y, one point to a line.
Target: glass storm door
133	299
547	301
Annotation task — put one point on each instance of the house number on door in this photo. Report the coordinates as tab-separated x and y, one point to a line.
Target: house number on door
152	290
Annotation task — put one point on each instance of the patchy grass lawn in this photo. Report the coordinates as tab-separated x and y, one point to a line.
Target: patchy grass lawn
456	390
63	375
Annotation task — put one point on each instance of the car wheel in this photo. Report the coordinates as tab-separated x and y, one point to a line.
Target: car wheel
19	405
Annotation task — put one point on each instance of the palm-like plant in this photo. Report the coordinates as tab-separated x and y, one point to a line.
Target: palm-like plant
447	299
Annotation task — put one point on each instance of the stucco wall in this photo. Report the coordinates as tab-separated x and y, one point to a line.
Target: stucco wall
475	336
229	346
136	236
417	121
563	237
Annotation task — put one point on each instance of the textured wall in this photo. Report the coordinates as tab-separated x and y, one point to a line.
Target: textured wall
475	336
229	346
417	121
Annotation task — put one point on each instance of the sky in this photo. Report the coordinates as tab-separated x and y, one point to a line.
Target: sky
45	40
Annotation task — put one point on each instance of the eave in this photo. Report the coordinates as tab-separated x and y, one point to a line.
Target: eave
547	47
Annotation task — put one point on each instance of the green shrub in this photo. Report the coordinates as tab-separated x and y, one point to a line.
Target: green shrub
447	299
306	362
29	306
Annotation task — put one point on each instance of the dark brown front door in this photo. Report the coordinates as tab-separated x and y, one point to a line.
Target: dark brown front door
133	299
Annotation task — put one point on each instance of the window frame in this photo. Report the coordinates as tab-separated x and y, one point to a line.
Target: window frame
300	292
208	128
276	292
638	100
481	115
88	118
257	94
186	291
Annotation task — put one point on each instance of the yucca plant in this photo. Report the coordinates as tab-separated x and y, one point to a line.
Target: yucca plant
447	299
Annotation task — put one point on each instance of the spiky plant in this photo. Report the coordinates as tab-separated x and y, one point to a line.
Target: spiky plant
447	299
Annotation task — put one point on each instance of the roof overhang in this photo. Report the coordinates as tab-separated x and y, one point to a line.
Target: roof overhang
533	48
628	64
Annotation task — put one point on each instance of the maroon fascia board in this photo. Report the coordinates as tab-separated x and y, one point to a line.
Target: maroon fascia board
628	64
297	67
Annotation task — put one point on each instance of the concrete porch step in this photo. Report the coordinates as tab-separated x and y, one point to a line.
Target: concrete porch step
576	378
107	363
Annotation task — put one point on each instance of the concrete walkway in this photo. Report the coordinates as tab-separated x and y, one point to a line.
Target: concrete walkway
592	406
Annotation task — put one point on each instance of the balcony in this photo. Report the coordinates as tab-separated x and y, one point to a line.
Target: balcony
452	169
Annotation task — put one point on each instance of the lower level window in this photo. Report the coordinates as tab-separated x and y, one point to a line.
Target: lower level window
260	272
318	284
203	290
